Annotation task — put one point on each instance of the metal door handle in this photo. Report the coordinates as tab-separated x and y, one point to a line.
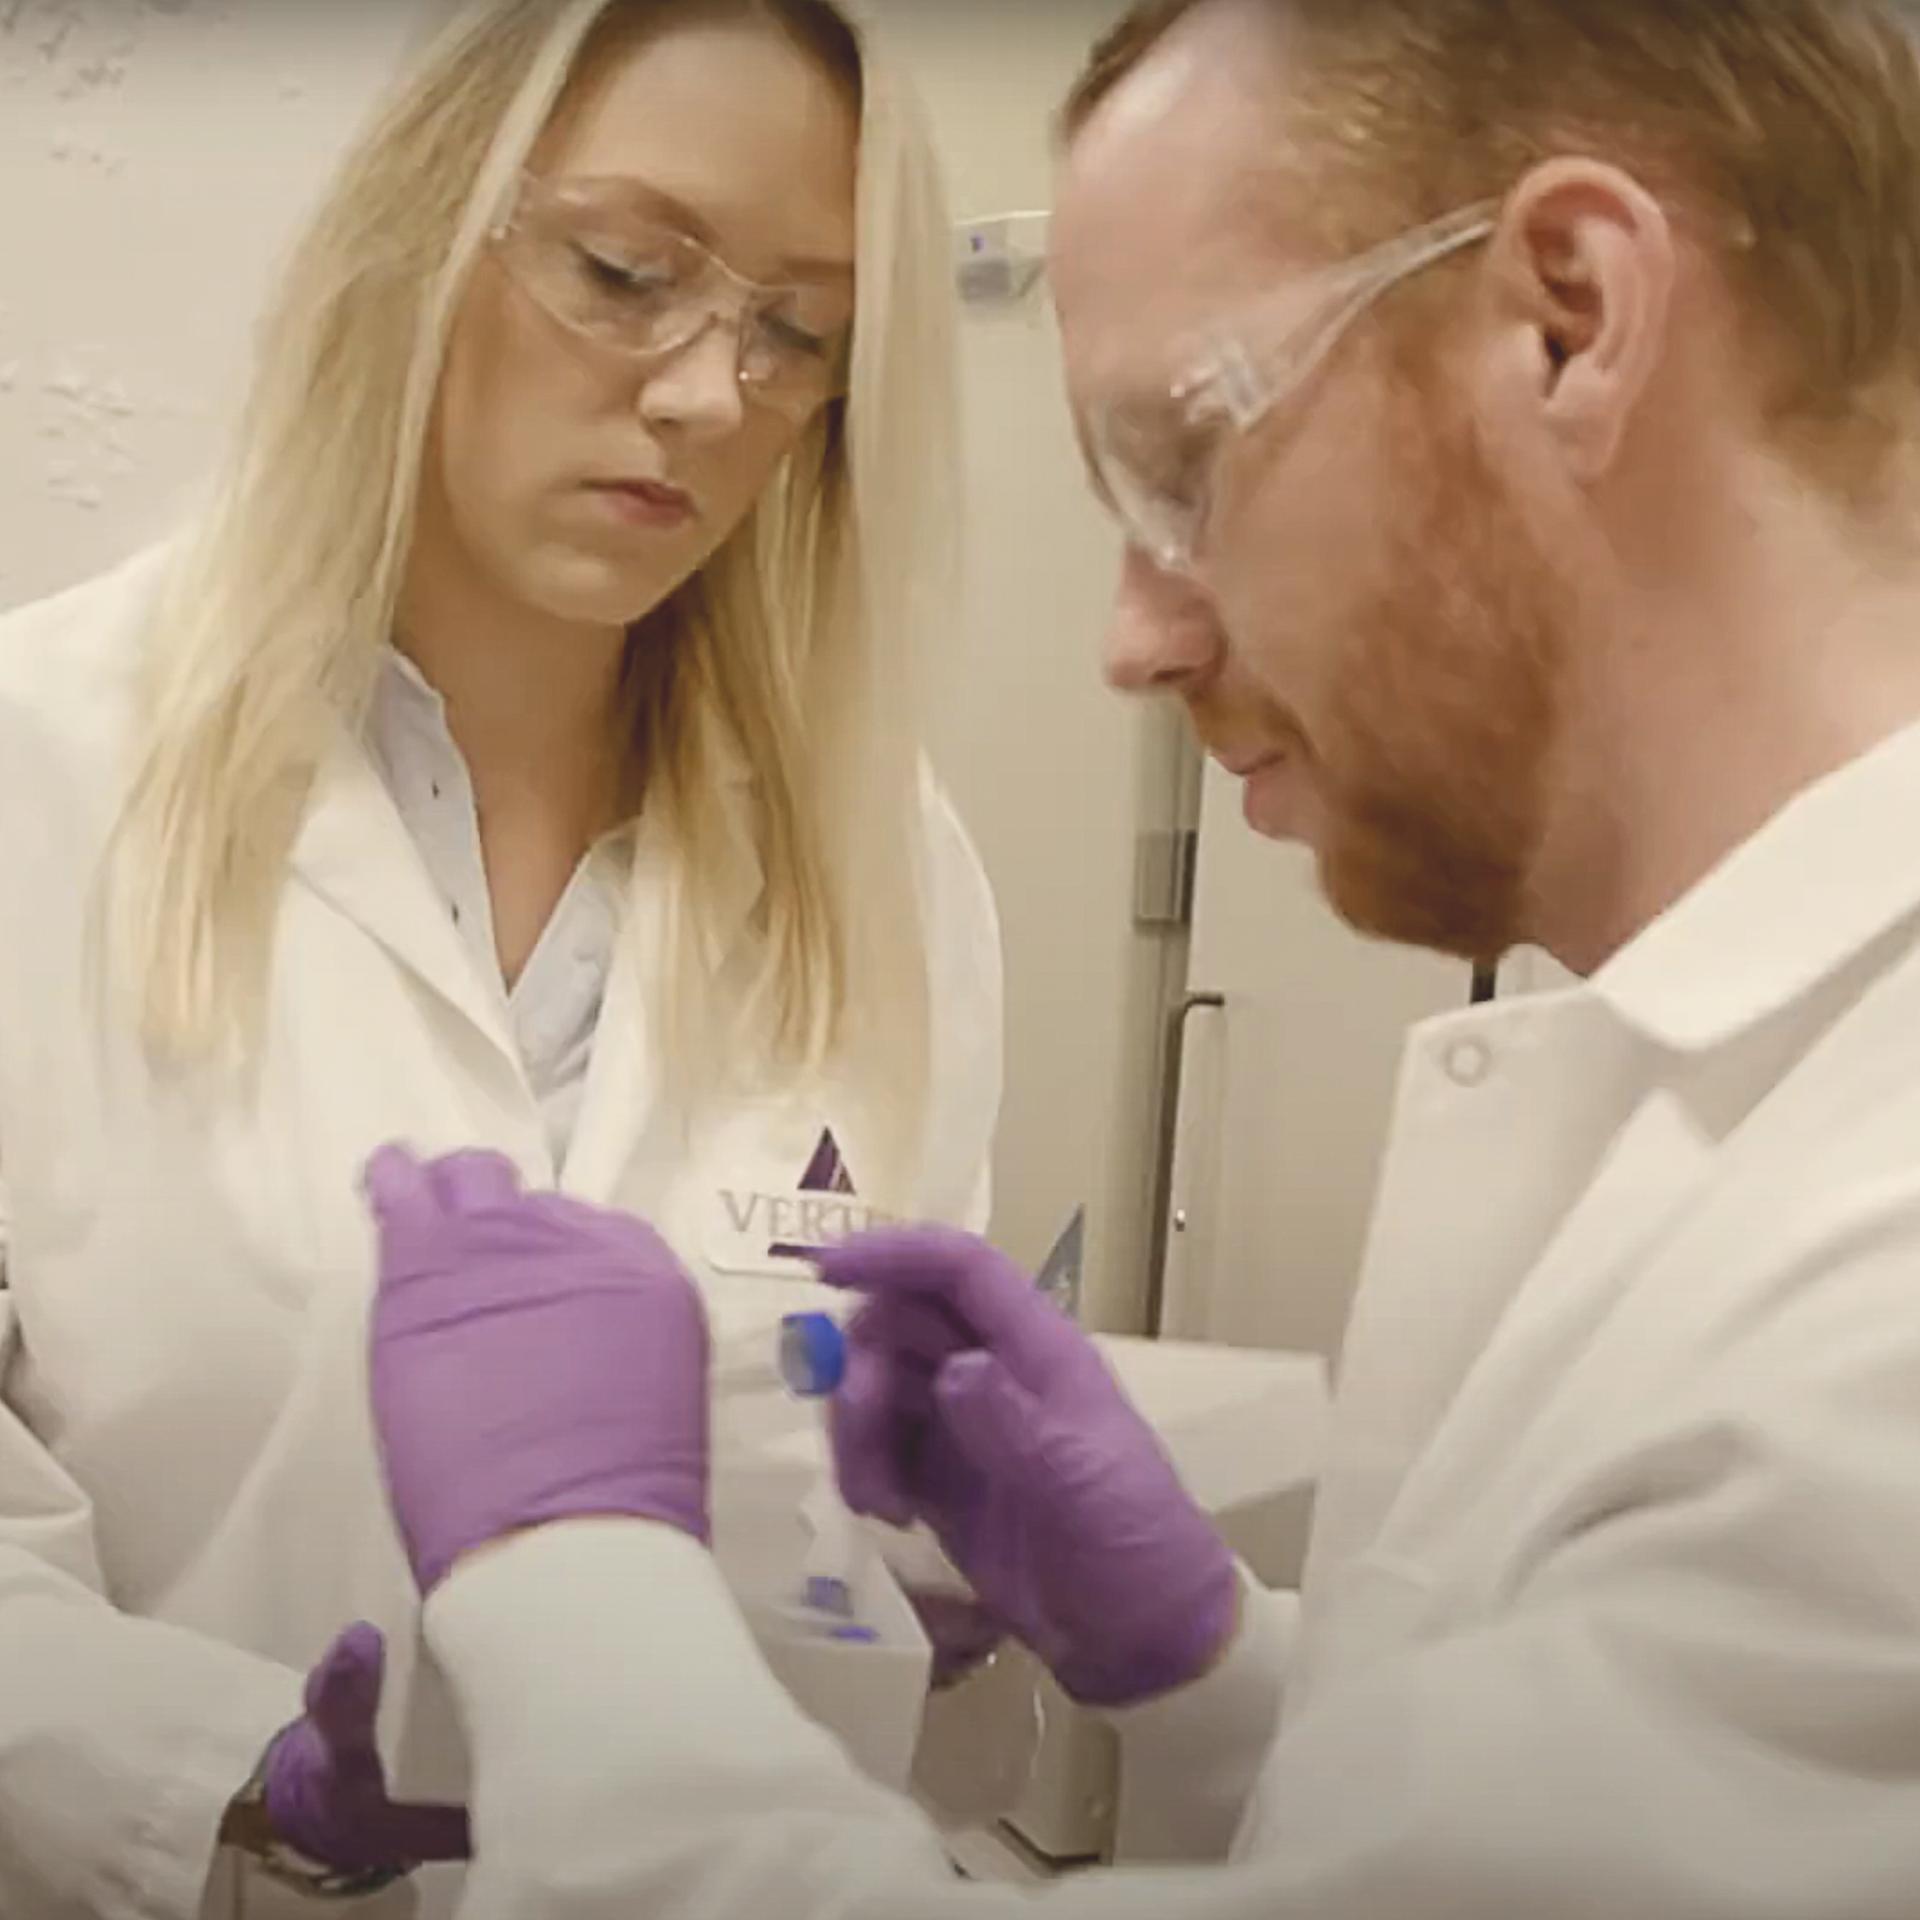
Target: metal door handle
1163	1222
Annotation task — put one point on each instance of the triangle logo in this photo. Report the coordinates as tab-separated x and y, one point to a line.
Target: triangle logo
827	1170
826	1173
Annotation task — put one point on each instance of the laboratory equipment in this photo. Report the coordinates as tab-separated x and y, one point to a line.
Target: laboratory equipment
827	1613
808	1359
1059	1275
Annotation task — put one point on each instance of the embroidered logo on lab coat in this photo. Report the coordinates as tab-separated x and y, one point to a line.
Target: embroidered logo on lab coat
779	1232
826	1174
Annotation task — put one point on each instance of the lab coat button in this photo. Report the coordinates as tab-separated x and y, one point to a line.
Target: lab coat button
1469	1064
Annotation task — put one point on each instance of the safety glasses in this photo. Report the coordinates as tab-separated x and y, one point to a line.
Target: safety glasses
1156	462
608	274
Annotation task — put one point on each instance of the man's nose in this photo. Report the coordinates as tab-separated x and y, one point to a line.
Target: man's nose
697	388
1163	633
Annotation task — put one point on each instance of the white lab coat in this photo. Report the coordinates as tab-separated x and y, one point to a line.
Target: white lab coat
1613	1610
189	1500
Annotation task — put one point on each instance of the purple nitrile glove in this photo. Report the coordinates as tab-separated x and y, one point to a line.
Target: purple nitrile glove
534	1359
325	1787
974	1404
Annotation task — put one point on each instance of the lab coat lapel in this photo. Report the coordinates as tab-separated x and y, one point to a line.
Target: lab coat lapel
1465	1323
354	851
1653	1172
622	1097
623	1113
1648	1180
1518	1106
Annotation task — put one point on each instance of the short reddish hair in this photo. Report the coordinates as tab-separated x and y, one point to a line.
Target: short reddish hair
1791	126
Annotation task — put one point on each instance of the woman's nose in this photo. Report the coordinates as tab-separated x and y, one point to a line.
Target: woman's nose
696	389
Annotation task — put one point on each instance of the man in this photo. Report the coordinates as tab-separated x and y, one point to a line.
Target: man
1513	407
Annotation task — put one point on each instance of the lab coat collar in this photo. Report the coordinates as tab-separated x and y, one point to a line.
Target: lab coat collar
624	1113
403	695
402	683
355	852
1831	873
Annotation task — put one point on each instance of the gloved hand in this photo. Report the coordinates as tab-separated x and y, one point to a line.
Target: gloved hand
972	1403
534	1359
325	1787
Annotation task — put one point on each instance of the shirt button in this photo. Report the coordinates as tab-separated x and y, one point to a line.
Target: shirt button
1469	1064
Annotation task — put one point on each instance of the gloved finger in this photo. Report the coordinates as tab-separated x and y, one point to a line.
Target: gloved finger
473	1182
868	1439
640	1246
902	1380
423	1835
991	1300
997	1304
394	1180
915	1336
405	1211
991	1417
343	1692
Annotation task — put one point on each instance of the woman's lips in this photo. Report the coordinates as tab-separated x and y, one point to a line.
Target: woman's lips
648	503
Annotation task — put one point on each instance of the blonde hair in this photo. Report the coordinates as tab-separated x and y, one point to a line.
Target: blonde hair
1791	128
791	654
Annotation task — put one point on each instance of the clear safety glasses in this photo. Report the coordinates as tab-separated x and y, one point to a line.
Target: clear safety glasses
1157	463
589	260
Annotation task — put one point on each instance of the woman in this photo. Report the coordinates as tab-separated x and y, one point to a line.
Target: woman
518	753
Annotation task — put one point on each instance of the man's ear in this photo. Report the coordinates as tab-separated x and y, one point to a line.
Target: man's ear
1586	262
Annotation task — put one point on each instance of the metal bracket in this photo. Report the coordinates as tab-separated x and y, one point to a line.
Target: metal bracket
999	261
1166	867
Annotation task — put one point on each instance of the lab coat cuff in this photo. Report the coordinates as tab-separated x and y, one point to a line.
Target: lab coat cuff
597	1665
553	1575
176	1855
574	1584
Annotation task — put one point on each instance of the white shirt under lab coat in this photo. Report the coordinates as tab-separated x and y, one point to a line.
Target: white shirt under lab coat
190	1505
1613	1610
553	1007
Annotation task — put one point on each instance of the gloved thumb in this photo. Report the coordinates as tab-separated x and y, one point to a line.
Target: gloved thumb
401	1198
992	1418
475	1181
393	1179
343	1692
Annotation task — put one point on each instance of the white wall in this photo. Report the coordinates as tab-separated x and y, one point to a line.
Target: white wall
156	155
1050	770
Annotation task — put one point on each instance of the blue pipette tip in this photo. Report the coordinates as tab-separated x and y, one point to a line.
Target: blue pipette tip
828	1595
813	1355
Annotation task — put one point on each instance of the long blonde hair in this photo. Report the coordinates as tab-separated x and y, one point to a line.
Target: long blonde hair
793	652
